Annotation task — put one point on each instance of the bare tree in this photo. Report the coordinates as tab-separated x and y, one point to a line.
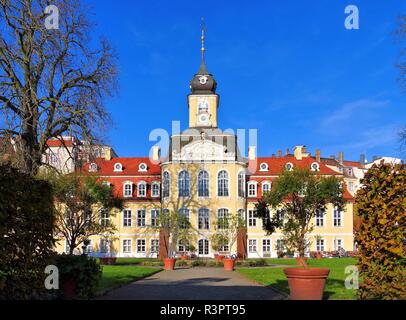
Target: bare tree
401	35
51	81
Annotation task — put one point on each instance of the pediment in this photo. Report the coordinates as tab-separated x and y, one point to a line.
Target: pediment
203	150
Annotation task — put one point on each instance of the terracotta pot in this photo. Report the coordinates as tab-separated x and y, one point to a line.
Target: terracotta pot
228	264
169	263
218	257
319	255
300	261
306	284
68	287
184	257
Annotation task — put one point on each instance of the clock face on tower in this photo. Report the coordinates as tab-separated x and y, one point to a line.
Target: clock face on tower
204	119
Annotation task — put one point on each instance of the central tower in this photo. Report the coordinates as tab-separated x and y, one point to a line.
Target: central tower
203	100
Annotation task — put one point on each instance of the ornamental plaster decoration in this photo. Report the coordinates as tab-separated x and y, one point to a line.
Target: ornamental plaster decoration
205	150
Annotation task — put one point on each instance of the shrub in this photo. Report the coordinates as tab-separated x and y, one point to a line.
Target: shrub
83	269
381	205
26	240
181	263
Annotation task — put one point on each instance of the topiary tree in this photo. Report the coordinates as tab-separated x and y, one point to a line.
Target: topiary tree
298	194
381	205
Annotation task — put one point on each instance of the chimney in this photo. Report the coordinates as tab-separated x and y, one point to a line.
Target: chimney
341	157
318	155
156	154
252	153
107	154
287	151
300	152
279	153
273	155
332	157
362	160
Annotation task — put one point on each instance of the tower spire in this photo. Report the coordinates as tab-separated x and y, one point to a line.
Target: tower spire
203	69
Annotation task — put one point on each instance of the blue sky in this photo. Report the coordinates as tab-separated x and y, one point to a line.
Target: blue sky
288	68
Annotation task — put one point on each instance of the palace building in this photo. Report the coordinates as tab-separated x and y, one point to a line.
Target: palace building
205	177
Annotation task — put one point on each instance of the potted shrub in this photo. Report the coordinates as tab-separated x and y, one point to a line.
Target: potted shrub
300	193
178	228
218	241
226	236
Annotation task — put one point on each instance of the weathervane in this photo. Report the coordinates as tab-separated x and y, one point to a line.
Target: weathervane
203	27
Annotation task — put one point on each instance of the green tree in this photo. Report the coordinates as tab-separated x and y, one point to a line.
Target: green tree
381	205
80	202
26	238
298	194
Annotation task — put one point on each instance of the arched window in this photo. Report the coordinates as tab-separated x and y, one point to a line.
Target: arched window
266	187
222	218
166	184
142	189
241	214
184	184
155	189
204	219
203	245
222	184
252	189
241	185
128	189
203	184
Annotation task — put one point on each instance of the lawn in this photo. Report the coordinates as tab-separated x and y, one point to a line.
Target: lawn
335	289
116	275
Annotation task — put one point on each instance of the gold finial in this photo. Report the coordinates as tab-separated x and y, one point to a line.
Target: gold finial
203	26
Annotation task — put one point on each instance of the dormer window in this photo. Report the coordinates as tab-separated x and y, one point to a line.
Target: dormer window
263	167
93	167
142	167
142	189
118	167
266	187
289	166
315	166
252	189
128	189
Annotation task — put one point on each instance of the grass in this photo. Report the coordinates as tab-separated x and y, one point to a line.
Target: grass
334	290
116	275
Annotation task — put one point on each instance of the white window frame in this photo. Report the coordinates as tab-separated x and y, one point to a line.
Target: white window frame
317	219
289	164
142	218
341	218
125	194
252	220
255	185
321	244
335	246
144	194
225	213
142	245
164	189
124	246
127	219
205	219
157	192
156	245
157	211
188	180
227	185
206	245
265	245
317	165
208	184
266	183
93	167
252	246
241	194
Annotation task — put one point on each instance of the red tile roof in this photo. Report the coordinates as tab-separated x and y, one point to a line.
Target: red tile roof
276	165
54	143
130	167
